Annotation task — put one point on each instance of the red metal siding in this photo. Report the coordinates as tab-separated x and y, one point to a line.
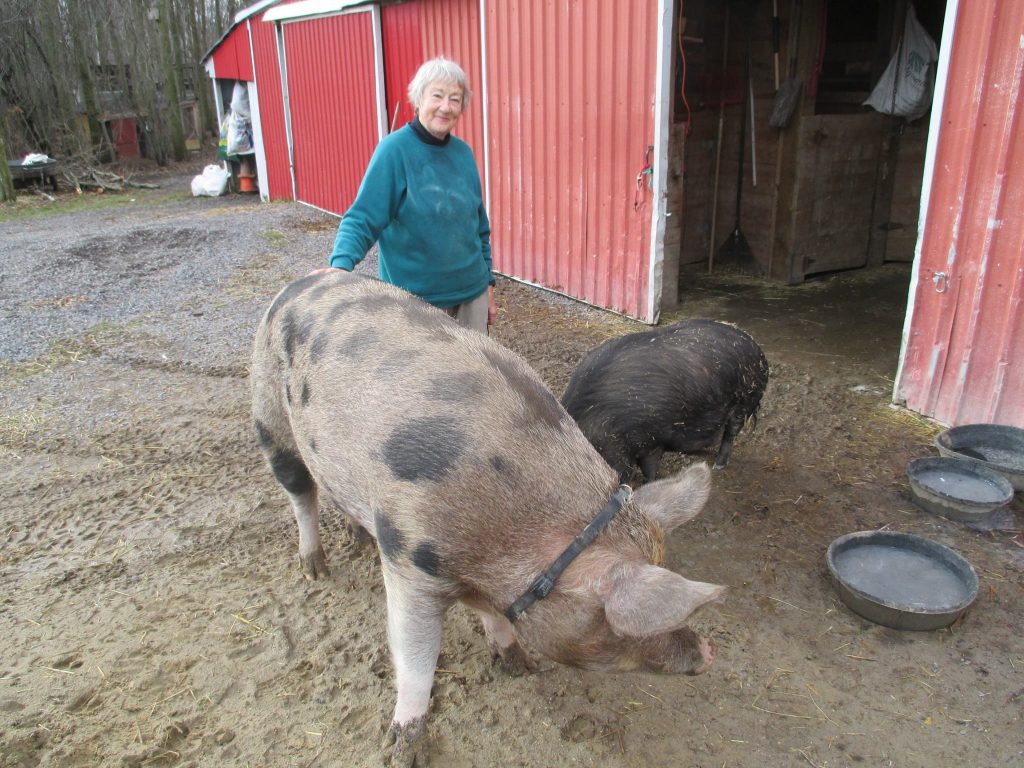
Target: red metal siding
571	114
272	127
964	350
231	60
402	39
451	28
333	104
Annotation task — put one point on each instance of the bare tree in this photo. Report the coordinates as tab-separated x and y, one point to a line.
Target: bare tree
69	68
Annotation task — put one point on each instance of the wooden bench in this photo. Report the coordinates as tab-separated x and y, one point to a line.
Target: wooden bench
44	173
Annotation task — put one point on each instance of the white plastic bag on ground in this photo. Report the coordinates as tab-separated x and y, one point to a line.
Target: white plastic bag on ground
212	182
905	88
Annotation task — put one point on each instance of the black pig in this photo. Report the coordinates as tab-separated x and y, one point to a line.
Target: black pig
685	387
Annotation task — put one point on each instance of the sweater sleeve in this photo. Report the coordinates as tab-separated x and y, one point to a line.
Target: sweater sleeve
375	206
484	231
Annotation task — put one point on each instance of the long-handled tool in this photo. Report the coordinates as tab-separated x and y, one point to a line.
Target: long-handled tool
735	249
718	144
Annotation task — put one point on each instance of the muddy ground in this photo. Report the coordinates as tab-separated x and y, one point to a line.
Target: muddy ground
153	610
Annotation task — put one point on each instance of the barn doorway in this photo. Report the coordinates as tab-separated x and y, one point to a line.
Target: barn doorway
839	186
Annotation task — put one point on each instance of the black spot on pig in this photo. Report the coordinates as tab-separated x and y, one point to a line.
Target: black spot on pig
424	448
507	472
394	364
296	331
304	397
263	434
425	558
352	306
540	403
312	445
357	346
467	388
291	472
318	347
289	293
419	313
389	539
317	293
288	393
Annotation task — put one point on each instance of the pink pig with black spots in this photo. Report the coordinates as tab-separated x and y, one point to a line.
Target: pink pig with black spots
477	486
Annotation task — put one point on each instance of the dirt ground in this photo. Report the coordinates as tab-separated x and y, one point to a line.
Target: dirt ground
152	606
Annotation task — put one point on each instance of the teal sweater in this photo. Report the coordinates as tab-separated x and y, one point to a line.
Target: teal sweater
422	203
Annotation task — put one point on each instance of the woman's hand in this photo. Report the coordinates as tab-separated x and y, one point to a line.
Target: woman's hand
325	269
492	307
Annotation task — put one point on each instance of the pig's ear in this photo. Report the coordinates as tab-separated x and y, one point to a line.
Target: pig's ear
645	600
674	500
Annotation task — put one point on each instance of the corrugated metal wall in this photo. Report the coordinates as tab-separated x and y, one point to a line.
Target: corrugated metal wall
451	28
403	53
964	347
332	101
232	60
570	116
272	127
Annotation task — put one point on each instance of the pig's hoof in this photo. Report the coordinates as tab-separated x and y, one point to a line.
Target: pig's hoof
514	660
405	746
314	565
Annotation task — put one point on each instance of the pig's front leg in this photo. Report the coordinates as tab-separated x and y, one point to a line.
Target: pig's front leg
502	643
415	618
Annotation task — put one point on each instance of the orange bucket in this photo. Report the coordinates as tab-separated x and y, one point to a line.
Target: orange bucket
246	182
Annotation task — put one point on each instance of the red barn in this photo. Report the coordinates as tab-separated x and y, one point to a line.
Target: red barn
594	127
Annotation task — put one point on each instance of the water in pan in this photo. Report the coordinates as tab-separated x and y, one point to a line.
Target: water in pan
1003	457
965	486
901	577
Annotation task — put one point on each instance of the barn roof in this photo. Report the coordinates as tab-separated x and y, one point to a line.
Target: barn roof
241	16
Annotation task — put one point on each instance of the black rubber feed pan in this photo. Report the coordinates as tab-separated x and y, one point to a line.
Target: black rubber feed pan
900	580
961	490
995	446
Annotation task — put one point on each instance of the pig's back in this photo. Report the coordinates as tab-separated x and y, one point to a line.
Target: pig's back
394	406
638	381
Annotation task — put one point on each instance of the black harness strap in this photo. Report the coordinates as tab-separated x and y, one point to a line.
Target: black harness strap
543	584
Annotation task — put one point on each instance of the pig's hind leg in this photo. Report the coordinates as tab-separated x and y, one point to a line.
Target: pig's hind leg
733	425
278	445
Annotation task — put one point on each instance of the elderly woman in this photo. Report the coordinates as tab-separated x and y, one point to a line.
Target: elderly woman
421	201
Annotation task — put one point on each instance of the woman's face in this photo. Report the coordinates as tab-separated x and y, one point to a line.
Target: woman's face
440	107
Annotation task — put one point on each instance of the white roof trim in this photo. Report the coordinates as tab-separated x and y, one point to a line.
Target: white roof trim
252	10
309	8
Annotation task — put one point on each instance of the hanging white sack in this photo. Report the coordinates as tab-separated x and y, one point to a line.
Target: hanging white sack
239	135
240	122
240	100
905	88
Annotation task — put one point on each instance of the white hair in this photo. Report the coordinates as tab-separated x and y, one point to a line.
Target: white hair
442	69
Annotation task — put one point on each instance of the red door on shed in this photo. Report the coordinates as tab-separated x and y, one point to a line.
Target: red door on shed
333	103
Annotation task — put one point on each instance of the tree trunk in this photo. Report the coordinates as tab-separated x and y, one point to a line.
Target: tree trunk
6	184
172	86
